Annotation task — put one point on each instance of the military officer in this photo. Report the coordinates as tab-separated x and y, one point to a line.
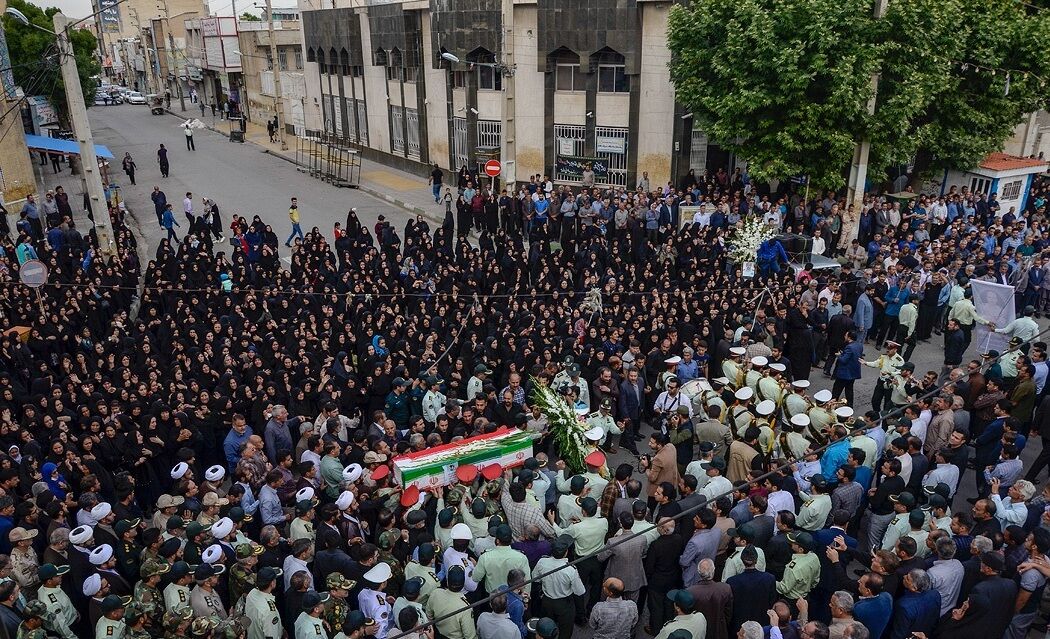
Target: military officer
604	420
336	608
357	626
713	397
561	589
898	527
569	505
686	622
261	606
821	416
32	627
242	574
423	568
740	416
128	552
310	624
61	615
373	601
204	599
302	527
177	593
434	401
796	402
768	386
766	410
111	623
177	622
753	373
147	594
803	571
731	367
135	622
793	442
446	601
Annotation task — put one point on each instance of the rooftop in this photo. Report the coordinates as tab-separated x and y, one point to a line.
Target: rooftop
1007	162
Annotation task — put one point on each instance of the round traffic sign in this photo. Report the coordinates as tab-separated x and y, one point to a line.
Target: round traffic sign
33	273
492	168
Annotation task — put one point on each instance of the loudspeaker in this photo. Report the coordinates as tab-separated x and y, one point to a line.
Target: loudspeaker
798	247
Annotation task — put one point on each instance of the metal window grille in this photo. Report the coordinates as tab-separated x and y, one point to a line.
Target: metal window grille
362	122
490	133
617	162
459	141
698	151
412	118
397	137
337	115
575	133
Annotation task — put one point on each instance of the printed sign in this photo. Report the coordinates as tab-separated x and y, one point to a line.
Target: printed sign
574	166
610	144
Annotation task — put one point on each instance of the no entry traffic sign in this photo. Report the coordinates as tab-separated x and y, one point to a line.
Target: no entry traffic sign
492	168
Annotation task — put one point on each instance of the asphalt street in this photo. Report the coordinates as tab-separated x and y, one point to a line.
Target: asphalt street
241	178
245	180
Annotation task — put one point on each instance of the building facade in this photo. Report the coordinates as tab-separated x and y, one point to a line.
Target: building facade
213	64
257	68
546	86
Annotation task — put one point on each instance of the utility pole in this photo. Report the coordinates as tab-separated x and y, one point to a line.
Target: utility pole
175	64
82	129
508	154
278	100
858	172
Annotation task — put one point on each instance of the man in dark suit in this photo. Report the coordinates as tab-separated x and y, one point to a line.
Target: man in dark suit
826	585
761	525
714	599
631	404
753	591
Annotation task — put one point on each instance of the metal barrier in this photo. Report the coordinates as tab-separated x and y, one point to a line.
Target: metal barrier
329	158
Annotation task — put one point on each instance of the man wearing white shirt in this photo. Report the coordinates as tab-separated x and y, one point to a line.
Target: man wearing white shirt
717	484
943	472
778	499
187	206
1038	358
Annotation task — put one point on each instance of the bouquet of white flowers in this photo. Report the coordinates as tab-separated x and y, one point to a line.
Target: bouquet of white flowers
566	426
745	239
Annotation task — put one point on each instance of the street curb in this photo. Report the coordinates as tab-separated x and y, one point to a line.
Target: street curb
379	195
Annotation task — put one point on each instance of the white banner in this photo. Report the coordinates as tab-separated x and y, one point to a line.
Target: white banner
995	303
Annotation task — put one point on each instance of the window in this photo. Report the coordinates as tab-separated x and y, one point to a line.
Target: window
1011	191
299	59
490	79
282	59
269	63
459	79
357	70
393	73
612	78
411	74
980	185
569	78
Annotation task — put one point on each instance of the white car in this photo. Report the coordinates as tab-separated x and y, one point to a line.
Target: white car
134	97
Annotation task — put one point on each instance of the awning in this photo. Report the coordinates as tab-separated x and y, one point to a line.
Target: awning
66	147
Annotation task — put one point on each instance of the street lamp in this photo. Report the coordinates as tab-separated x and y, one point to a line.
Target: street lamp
21	17
448	56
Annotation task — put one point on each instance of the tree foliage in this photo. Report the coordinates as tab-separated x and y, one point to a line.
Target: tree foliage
787	82
249	17
34	55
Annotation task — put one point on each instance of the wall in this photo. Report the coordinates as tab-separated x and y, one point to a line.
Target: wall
654	138
528	95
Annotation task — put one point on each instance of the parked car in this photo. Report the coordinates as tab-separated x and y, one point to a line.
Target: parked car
134	97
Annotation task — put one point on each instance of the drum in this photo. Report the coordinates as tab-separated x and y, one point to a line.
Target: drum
695	387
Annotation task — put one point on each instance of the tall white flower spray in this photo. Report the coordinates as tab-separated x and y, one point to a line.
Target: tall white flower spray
745	239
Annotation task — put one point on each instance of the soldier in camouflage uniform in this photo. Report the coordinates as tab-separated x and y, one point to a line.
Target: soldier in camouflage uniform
387	540
135	618
33	627
242	574
177	622
147	593
336	608
232	628
202	626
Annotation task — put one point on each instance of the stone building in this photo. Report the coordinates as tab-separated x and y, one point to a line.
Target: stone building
544	85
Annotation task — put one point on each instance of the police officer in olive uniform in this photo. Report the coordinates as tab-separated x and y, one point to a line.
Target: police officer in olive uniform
336	608
111	624
177	592
604	420
434	401
260	605
147	592
61	614
423	568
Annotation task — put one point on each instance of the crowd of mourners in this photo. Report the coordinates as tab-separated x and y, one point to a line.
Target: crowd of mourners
202	445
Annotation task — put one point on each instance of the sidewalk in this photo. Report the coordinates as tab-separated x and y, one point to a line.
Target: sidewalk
404	190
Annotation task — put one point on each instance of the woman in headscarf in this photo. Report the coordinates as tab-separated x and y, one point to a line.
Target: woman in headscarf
55	481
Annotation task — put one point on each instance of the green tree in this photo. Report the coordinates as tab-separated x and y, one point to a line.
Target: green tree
249	17
787	82
34	55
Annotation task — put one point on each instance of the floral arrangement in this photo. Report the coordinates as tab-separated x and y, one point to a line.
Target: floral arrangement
566	427
748	235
